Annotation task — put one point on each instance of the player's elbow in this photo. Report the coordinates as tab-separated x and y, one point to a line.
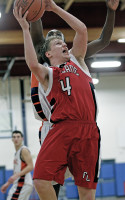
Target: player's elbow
83	28
31	167
107	43
104	42
32	65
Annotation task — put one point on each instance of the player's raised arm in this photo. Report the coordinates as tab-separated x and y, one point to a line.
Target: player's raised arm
39	70
36	31
78	49
104	39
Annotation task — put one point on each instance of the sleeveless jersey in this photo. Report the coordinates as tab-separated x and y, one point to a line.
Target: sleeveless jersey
19	165
71	93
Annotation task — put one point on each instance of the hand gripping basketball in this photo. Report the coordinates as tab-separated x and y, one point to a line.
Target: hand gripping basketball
35	8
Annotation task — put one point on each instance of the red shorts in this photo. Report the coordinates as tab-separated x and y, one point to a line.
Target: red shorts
74	144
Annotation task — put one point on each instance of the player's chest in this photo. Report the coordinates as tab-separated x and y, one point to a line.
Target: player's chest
73	76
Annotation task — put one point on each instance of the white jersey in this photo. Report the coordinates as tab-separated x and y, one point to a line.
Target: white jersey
19	165
20	193
23	186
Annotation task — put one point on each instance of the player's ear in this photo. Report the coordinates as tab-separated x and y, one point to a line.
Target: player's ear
48	54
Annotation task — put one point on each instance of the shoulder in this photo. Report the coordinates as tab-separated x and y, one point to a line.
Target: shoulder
25	153
25	150
54	71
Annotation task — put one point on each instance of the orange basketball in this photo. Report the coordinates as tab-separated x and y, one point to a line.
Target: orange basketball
36	8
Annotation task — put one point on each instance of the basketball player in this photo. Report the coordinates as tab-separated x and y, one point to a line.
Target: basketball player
74	139
93	47
22	180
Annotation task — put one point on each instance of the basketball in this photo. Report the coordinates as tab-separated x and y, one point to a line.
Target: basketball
36	8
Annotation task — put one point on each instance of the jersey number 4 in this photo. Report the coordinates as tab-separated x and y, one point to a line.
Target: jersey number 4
66	87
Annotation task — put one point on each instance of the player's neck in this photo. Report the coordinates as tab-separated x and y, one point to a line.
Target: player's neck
17	147
57	62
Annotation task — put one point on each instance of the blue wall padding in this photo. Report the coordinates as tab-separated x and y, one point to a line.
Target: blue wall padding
108	189
120	179
8	174
2	177
107	171
71	191
98	190
2	196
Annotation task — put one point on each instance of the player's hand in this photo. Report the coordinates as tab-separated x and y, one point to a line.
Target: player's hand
4	187
113	4
21	19
50	5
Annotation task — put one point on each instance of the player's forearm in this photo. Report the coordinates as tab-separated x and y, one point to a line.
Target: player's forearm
104	39
26	170
7	184
30	54
71	20
108	26
36	30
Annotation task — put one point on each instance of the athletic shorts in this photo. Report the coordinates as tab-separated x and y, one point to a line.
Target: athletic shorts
43	131
20	194
75	144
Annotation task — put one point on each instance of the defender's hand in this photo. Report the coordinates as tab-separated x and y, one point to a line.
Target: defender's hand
113	4
50	5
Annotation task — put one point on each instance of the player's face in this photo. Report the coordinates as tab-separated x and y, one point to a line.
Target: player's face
55	32
59	50
17	139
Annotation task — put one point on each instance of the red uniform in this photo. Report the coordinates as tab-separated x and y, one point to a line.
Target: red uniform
74	139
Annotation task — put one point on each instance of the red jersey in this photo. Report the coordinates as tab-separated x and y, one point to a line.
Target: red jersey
71	93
